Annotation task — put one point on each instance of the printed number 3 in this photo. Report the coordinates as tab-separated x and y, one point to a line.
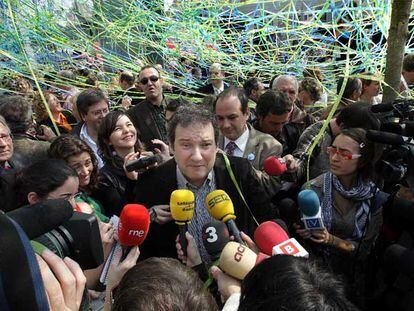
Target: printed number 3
212	234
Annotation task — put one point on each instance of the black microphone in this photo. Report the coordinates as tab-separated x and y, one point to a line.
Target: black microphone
215	236
289	212
40	218
405	129
399	258
388	138
382	108
144	162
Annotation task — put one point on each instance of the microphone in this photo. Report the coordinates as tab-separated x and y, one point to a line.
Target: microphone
182	210
405	129
215	236
220	207
274	166
388	138
310	207
144	162
237	260
133	227
382	108
40	218
269	234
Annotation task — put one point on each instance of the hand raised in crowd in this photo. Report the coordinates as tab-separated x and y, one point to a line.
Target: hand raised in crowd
163	149
163	214
126	102
249	242
193	256
63	280
47	135
291	164
227	285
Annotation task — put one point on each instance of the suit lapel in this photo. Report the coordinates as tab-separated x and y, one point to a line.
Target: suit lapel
251	143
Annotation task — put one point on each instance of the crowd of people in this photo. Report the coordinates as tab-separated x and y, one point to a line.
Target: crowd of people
73	142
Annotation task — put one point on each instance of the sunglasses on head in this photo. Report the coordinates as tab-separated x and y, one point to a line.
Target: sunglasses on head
152	78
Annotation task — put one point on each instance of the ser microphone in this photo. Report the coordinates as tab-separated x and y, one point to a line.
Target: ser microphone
220	207
144	162
215	236
182	211
133	227
237	260
388	138
310	208
40	218
274	166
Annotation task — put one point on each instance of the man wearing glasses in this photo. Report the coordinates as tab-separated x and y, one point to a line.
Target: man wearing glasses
149	115
93	106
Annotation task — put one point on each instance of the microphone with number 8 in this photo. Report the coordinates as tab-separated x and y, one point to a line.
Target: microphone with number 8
310	208
133	227
220	207
272	239
182	211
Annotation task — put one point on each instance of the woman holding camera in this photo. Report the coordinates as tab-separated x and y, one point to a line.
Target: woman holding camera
118	143
78	155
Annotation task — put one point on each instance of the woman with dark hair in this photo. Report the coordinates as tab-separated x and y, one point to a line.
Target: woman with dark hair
351	203
45	180
78	155
117	140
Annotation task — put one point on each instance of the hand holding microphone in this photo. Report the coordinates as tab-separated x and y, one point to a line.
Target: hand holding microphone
182	211
278	166
192	257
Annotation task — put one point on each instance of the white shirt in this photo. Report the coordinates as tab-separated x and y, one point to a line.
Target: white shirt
240	142
91	143
217	91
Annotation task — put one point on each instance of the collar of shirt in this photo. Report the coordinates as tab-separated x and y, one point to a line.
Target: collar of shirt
240	142
183	183
218	90
91	143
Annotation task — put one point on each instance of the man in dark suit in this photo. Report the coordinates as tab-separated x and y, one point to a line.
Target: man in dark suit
199	167
217	84
149	115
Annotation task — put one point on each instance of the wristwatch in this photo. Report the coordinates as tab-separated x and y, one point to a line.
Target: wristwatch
153	214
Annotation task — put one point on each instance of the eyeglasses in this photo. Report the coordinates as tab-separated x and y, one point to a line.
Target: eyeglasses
346	155
103	112
152	78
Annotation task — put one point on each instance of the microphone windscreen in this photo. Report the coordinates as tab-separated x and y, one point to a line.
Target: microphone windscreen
215	236
269	234
40	218
237	260
220	206
274	166
391	127
308	202
385	138
182	205
133	225
382	108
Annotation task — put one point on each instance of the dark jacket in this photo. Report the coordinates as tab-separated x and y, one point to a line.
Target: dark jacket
155	187
111	188
141	117
209	90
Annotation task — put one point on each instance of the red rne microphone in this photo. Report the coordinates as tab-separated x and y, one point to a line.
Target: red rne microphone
274	166
273	240
133	227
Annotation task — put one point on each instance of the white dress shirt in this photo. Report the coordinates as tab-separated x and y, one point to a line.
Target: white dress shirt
240	142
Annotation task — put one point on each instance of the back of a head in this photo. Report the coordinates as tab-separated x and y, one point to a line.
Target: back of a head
128	77
358	115
162	284
251	84
273	102
408	63
17	112
352	85
291	283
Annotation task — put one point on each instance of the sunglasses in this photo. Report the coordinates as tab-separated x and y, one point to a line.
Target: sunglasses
346	155
152	78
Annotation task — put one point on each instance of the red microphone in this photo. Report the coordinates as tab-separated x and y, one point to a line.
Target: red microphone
269	234
133	227
273	240
274	166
